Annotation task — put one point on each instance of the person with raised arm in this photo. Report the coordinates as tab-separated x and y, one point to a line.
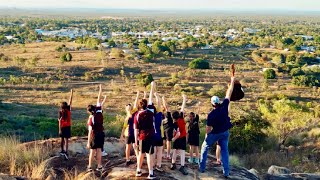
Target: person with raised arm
144	133
127	133
179	139
64	121
217	129
193	136
168	128
95	132
158	138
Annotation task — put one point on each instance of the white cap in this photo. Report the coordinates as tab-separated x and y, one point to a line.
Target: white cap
215	100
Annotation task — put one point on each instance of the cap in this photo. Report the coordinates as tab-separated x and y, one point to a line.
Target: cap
215	100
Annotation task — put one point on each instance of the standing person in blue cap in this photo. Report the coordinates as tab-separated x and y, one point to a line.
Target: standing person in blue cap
217	129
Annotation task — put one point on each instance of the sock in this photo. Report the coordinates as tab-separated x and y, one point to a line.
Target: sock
183	157
151	172
138	169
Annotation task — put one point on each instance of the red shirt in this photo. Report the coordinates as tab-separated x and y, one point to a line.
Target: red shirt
180	125
143	121
65	118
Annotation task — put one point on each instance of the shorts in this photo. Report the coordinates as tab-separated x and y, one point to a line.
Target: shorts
193	139
97	141
130	140
158	142
168	134
65	132
146	146
180	143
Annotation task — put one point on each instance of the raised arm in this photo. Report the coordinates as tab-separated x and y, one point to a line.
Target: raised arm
135	105
99	95
157	99
151	92
230	89
104	100
165	105
70	98
144	94
183	102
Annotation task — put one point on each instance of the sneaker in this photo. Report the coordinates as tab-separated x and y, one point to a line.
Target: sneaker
196	160
128	163
99	169
89	169
66	156
183	170
103	154
151	176
173	166
201	171
190	160
138	173
159	169
61	153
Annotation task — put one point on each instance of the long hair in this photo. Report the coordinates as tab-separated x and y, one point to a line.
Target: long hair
63	111
143	104
91	109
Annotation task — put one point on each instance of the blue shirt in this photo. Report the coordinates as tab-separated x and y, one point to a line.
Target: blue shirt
219	118
157	125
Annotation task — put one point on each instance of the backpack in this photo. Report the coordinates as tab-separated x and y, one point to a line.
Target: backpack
237	92
98	120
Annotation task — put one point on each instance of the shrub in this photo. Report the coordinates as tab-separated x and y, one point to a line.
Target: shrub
199	64
144	79
218	90
305	80
66	57
269	74
296	72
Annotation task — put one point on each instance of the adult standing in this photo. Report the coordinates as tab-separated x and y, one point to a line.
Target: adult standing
217	129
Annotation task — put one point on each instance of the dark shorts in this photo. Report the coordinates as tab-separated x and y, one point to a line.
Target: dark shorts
168	134
130	140
180	143
158	142
65	132
146	146
97	141
193	139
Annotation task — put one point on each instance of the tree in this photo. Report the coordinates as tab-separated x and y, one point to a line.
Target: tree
157	48
286	118
291	59
287	41
269	74
199	64
111	43
144	79
116	53
296	72
66	57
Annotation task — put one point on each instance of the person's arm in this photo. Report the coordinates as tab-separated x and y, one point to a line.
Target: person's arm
183	102
208	129
59	122
135	105
89	136
136	131
104	100
165	105
99	95
230	89
144	94
158	100
70	98
151	92
176	136
124	128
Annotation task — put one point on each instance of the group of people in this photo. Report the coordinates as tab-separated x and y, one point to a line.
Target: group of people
150	125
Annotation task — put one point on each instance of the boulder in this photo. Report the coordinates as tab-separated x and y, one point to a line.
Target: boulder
277	170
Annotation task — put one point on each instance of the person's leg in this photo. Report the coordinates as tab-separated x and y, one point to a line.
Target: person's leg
128	146
174	156
191	154
66	145
223	142
209	140
196	150
91	157
150	163
218	154
168	148
99	157
141	157
182	157
62	144
159	155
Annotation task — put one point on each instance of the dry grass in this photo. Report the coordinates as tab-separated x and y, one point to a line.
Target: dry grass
19	160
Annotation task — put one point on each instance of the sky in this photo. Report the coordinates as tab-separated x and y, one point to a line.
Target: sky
300	5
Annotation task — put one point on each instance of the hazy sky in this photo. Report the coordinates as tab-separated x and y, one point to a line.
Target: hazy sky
312	5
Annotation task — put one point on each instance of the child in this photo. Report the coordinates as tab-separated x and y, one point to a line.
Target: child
168	128
95	134
128	131
158	138
179	139
65	125
193	137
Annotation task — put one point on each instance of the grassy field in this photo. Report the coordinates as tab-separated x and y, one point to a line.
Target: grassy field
36	90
